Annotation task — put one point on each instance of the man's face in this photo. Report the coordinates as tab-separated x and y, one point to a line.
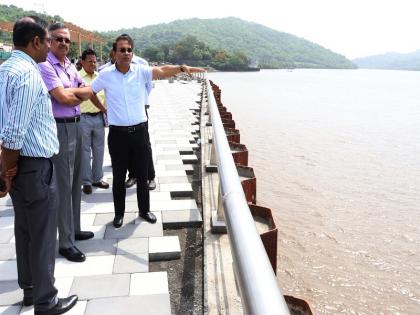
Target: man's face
89	64
60	44
124	53
44	48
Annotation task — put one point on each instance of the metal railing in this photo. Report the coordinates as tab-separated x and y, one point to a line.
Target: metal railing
256	280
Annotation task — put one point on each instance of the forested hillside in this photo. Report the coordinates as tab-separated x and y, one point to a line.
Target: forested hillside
226	43
392	61
268	47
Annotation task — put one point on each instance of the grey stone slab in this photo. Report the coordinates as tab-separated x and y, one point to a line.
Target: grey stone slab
154	304
98	247
189	159
168	156
164	248
182	204
134	231
147	283
6	201
6	211
133	246
101	286
10	310
188	168
7	251
181	218
10	293
131	263
107	218
173	179
6	235
166	141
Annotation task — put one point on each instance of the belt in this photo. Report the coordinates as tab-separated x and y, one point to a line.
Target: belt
129	129
91	114
67	119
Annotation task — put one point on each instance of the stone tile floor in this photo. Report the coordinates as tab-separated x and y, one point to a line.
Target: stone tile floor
115	277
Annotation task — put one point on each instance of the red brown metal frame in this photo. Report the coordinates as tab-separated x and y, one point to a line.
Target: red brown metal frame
77	34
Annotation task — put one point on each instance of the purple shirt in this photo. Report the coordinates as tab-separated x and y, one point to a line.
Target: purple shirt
55	75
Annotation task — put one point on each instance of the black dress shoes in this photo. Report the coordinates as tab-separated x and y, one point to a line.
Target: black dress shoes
87	189
148	216
101	184
62	306
72	254
83	235
130	182
118	221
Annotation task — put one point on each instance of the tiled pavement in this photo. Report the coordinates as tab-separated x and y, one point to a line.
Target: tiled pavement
115	277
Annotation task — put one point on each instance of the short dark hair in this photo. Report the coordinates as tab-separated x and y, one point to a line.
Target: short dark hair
26	28
122	37
56	26
88	52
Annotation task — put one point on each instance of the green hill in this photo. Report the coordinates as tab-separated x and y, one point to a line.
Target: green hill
391	60
268	47
264	46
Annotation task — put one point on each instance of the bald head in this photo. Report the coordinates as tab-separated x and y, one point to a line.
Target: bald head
26	28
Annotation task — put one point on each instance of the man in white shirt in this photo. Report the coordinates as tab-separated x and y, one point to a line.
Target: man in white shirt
125	86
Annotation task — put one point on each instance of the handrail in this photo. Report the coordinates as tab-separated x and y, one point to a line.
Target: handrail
256	280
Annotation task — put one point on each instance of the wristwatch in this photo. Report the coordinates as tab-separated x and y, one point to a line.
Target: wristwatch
181	68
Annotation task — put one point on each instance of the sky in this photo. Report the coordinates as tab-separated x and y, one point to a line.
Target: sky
353	28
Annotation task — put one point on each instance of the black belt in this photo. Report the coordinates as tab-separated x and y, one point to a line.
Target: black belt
129	129
91	114
67	119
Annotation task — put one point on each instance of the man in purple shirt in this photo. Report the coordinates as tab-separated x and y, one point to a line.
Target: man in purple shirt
63	83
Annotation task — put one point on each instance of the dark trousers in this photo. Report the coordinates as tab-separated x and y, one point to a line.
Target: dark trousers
123	146
34	198
151	168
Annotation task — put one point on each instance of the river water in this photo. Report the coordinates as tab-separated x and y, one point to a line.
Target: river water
337	159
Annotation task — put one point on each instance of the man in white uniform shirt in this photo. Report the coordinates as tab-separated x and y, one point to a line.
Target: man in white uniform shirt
125	86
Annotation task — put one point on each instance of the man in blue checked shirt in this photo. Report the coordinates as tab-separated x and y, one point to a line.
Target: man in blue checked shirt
29	139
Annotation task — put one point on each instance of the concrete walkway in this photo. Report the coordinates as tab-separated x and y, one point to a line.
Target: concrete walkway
115	277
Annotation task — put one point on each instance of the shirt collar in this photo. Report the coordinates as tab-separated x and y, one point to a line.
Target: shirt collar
23	55
53	59
84	74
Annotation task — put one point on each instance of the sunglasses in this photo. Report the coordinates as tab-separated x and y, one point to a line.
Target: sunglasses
123	50
62	40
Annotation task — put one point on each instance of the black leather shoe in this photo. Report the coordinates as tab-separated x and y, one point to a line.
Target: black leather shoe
72	254
101	184
148	216
118	221
83	235
87	189
130	182
62	306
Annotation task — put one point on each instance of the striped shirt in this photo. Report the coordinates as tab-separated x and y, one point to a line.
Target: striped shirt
26	119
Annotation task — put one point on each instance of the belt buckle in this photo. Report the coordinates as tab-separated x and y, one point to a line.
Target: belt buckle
131	129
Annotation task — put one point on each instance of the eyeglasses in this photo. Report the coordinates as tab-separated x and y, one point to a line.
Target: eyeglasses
124	50
62	40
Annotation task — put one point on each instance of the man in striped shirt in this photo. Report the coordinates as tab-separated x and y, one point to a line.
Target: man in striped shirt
29	140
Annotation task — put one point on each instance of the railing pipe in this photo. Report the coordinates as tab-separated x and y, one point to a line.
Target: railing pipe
256	280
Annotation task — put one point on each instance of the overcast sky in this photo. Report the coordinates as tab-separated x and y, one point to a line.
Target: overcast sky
353	28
